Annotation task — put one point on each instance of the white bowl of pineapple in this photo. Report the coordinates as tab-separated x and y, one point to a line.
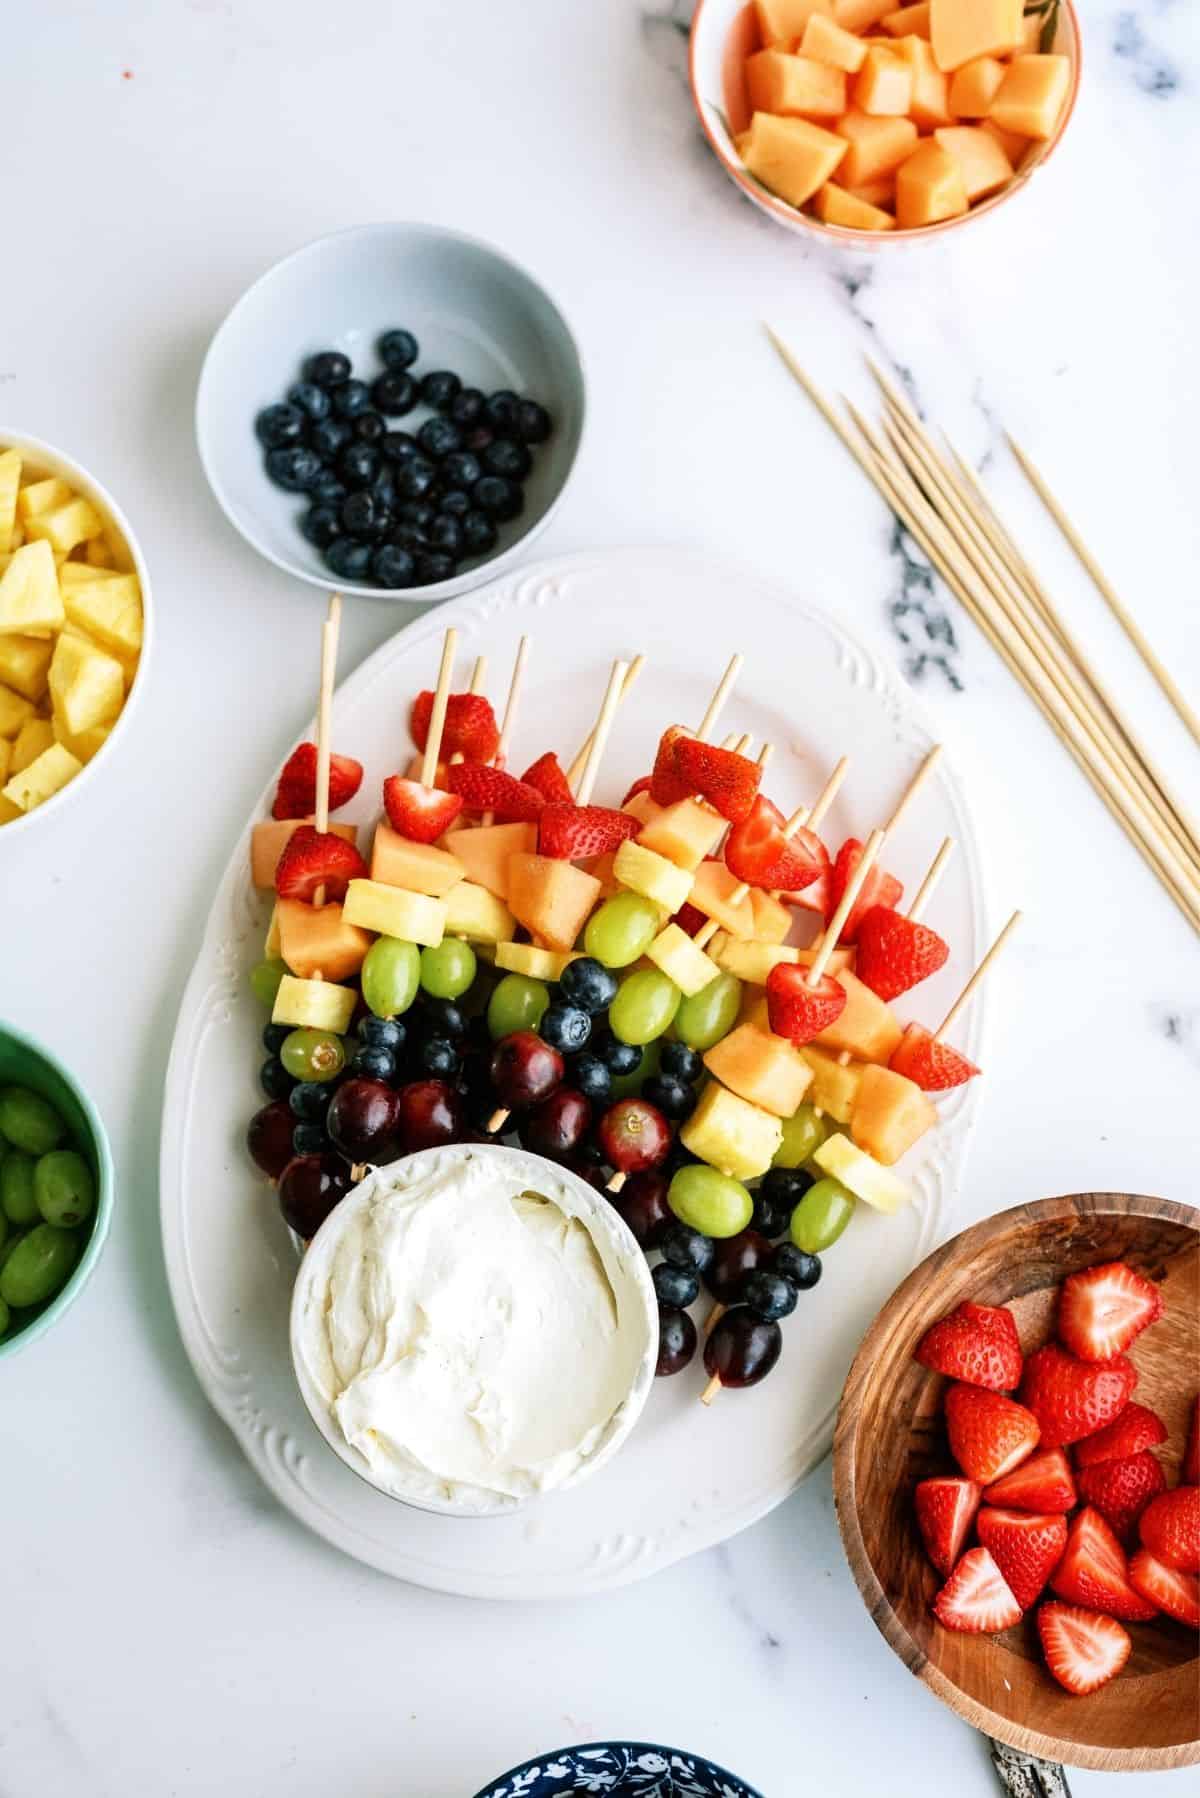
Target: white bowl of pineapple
74	627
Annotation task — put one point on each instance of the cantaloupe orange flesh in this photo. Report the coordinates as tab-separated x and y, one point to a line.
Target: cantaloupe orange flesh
641	806
877	146
860	15
929	187
908	19
962	29
974	87
782	21
712	893
837	207
792	157
552	899
1011	142
930	88
825	41
985	167
417	867
883	86
1030	98
890	1114
772	921
867	1027
761	1068
320	942
269	839
795	86
484	852
881	192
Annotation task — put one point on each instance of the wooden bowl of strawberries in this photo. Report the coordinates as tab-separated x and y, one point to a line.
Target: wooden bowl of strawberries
1017	1478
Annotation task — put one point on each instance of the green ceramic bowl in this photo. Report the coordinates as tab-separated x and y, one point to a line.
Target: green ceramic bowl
24	1062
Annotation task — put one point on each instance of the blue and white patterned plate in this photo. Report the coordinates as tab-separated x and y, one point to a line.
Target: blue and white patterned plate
619	1770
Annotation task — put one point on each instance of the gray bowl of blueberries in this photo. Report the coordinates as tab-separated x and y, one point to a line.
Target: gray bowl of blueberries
394	411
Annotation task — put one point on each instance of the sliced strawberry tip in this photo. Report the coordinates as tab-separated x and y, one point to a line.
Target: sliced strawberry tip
896	954
470	729
1176	1594
296	794
422	814
666	786
1093	1571
799	1011
1101	1310
977	1344
759	853
1083	1649
1027	1547
879	888
1072	1398
313	859
976	1598
945	1510
573	832
934	1067
1042	1483
1120	1490
728	781
547	776
1137	1427
1170	1528
989	1434
484	789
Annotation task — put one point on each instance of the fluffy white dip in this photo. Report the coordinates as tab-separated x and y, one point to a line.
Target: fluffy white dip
464	1333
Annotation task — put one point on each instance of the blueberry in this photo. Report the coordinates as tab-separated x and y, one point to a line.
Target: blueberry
445	1018
498	497
274	1036
398	446
454	504
445	534
802	1270
675	1286
328	368
440	389
369	1063
770	1296
501	410
278	426
684	1247
681	1063
383	486
438	438
328	490
460	468
566	1028
433	567
674	1098
479	534
466	408
420	514
392	566
309	1100
365	518
394	393
678	1156
398	349
592	1078
295	469
350	398
415	477
310	399
321	524
358	464
349	560
478	438
382	1033
589	984
327	436
309	1139
534	423
369	427
439	1057
510	459
274	1078
410	538
619	1058
786	1185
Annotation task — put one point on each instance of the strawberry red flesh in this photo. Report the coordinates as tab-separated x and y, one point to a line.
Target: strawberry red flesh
1189	1473
296	794
573	832
800	1011
666	785
547	776
1102	1309
945	1512
934	1067
976	1597
879	888
728	781
1093	1571
1072	1398
1170	1528
313	859
1083	1649
1026	1547
640	785
894	953
689	918
1120	1490
470	729
977	1344
422	814
989	1434
759	853
1043	1483
1137	1427
1175	1593
484	789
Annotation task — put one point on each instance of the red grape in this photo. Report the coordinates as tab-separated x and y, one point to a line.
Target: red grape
676	1341
269	1137
642	1202
524	1070
363	1120
558	1125
735	1257
309	1188
743	1348
431	1113
634	1135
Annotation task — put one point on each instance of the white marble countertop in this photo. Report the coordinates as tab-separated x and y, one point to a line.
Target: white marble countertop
164	1628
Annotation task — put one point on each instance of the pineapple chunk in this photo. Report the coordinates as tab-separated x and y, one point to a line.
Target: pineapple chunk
834	1084
772	921
876	1185
43	778
88	742
418	867
14	711
675	952
474	913
414	917
684	833
87	686
99	553
890	1114
527	958
712	893
749	961
270	838
731	1134
319	942
762	1068
314	1005
82	574
24	663
35	735
30	602
109	609
6	755
41	496
273	948
10	481
550	898
652	875
66	525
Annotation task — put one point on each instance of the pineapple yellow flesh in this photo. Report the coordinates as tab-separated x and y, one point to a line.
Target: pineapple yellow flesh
414	917
25	664
30	602
109	610
527	958
314	1004
652	875
474	913
41	496
749	961
66	525
43	778
10	482
87	686
34	736
676	954
731	1134
866	1178
15	709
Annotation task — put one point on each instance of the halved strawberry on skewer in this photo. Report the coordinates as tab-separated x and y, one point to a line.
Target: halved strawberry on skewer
895	953
314	859
879	888
470	729
798	1010
484	789
728	781
296	794
547	776
758	851
422	814
1083	1649
571	832
933	1066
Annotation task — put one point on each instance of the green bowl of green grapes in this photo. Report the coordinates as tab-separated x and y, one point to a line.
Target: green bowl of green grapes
56	1190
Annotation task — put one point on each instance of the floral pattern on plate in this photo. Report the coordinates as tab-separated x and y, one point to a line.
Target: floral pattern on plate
619	1770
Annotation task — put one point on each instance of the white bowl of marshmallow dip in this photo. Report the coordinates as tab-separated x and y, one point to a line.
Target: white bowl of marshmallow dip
472	1328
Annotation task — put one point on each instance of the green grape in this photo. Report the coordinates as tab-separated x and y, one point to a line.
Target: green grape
39	1265
313	1055
16	1189
628	1086
7	1248
264	980
709	1201
4	1229
803	1135
710	1014
29	1121
391	974
517	1003
65	1189
644	1007
448	971
5	1317
621	929
821	1216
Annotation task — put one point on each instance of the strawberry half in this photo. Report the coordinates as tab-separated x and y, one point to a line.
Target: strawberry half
296	794
1043	1483
547	776
934	1067
945	1512
879	888
1083	1650
1170	1528
470	729
976	1598
1137	1427
422	814
484	789
666	786
759	853
315	858
1026	1548
1102	1309
799	1011
1175	1593
1093	1571
989	1434
1072	1398
1121	1490
1189	1473
977	1344
814	898
727	780
894	954
572	832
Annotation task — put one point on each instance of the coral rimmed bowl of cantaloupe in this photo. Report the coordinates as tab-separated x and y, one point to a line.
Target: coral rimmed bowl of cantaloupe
74	629
873	123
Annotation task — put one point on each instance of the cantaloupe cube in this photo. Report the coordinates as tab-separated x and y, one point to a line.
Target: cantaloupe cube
908	21
271	836
44	777
474	913
314	1005
890	1114
865	1177
841	958
929	187
783	21
751	962
641	806
835	1083
527	958
985	167
65	526
30	602
760	1067
418	867
877	146
414	917
1011	142
837	207
34	736
87	686
483	853
795	85
973	87
960	30
1030	98
731	1134
867	1026
25	663
14	710
712	893
646	872
753	1008
684	832
825	41
860	15
791	157
930	105
10	483
314	941
679	958
883	86
552	899
41	496
109	610
881	192
772	920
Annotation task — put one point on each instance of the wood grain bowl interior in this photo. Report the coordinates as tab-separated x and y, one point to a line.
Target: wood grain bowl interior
890	1435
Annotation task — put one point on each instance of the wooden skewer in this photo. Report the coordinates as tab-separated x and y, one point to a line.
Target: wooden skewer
956	1009
924	892
600	733
437	717
329	648
827	942
716	704
576	768
510	713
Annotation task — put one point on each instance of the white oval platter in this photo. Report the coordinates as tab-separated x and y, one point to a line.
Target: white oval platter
689	1477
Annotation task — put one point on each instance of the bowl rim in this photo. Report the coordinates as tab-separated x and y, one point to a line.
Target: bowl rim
661	1748
440	590
801	223
33	448
1062	1208
105	1196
